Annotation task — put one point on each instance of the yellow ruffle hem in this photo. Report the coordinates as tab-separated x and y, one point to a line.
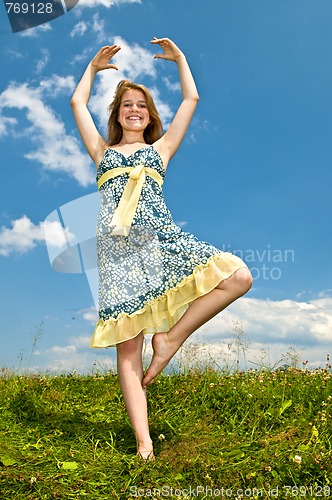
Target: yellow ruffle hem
160	314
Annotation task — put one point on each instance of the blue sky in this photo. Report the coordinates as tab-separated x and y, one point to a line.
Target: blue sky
252	176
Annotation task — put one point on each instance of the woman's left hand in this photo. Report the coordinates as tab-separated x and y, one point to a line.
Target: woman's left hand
171	51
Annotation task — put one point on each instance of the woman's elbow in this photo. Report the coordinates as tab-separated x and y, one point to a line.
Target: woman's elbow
73	101
193	99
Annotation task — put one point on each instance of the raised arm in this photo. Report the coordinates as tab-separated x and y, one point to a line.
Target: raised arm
92	140
172	139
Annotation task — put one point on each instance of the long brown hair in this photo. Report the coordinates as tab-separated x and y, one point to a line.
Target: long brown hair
153	131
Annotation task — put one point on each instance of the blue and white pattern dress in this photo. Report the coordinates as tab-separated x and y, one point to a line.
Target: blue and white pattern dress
150	270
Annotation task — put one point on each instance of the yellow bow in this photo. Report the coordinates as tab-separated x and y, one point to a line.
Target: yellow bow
124	214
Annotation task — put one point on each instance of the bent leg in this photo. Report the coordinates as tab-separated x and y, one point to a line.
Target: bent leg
201	310
130	372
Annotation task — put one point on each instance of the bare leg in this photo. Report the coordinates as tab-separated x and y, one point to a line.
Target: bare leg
201	310
130	372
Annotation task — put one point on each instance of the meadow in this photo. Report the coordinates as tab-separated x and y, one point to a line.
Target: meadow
217	434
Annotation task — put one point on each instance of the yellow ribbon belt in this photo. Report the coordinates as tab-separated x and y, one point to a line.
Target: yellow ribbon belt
124	214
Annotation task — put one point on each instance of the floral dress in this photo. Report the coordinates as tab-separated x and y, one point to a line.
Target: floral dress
149	269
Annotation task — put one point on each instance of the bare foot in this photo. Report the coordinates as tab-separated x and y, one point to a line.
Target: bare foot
145	450
163	351
146	455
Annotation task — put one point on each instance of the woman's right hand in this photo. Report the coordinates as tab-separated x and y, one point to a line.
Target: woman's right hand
103	56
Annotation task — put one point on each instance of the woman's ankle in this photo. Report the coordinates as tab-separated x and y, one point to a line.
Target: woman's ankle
145	444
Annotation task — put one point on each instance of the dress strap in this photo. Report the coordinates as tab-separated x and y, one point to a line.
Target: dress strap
125	212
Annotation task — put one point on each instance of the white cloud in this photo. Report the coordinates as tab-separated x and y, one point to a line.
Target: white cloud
56	84
98	27
91	316
325	293
42	61
55	235
310	295
69	349
79	29
174	86
81	57
80	341
134	60
105	3
163	108
277	324
181	223
275	332
5	123
82	362
35	32
56	150
76	356
287	321
14	54
24	235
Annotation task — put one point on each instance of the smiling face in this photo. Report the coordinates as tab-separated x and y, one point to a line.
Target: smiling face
132	99
133	113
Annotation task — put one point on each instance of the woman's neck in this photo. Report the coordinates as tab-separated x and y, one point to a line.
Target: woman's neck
131	138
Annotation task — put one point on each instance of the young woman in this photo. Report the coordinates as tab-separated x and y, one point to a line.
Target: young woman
153	277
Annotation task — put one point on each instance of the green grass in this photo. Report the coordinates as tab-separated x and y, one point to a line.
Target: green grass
69	437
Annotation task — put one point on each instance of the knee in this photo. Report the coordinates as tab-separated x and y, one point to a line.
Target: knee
129	347
244	280
240	283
